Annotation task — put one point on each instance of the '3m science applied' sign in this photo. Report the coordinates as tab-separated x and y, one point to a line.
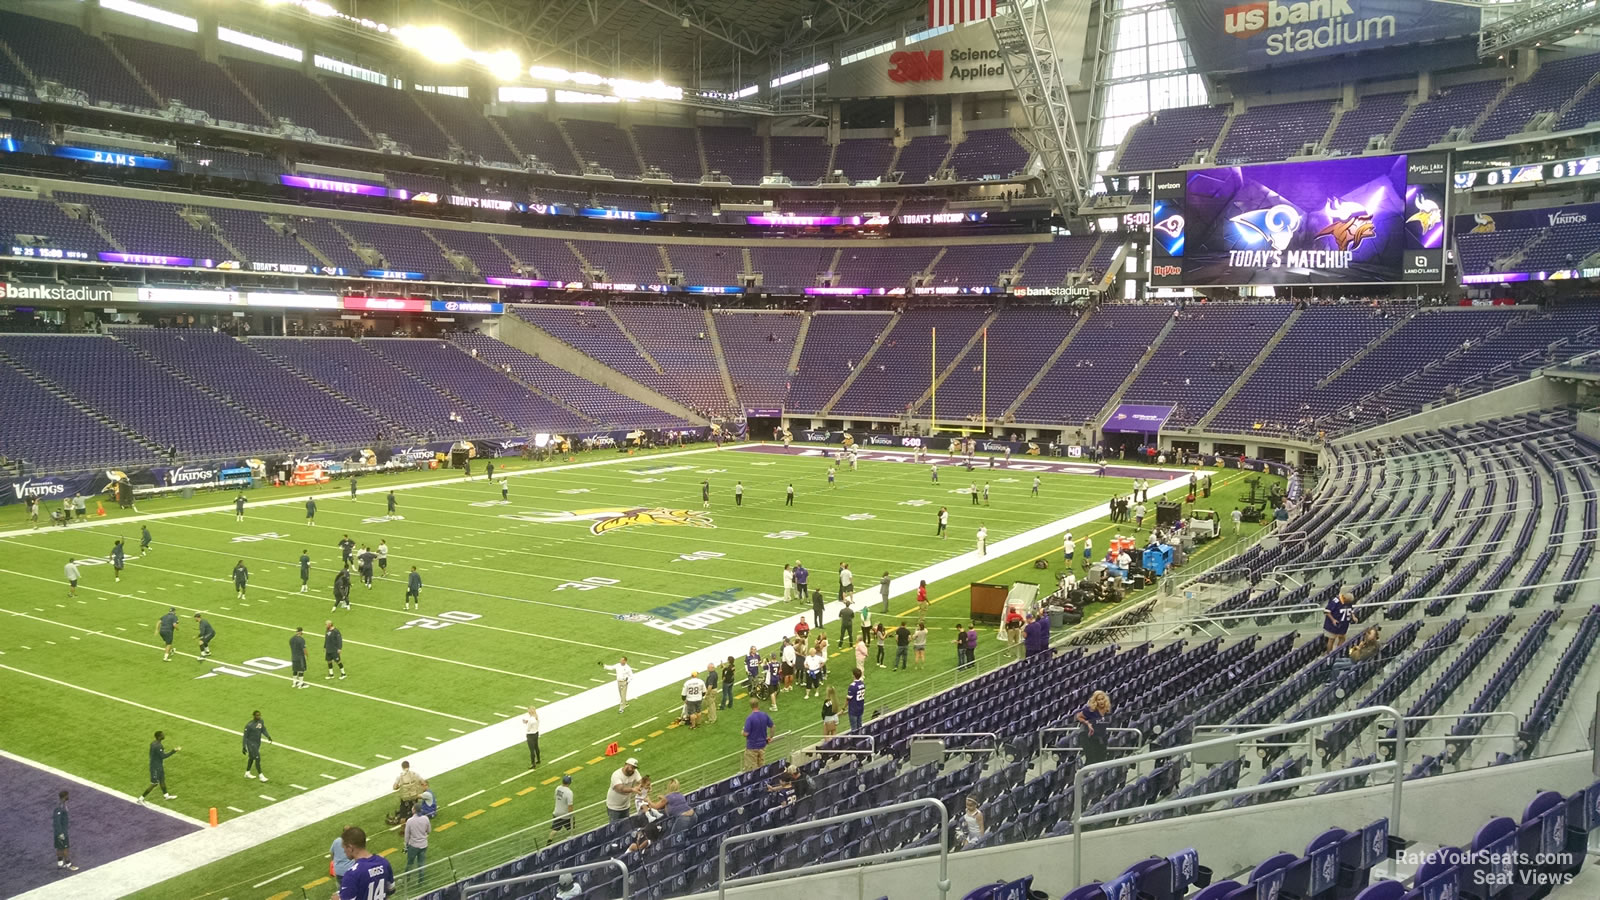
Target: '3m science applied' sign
1231	36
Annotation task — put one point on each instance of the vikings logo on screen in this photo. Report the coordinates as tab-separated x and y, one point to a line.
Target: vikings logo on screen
1325	222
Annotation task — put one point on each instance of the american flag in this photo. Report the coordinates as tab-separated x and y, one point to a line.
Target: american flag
956	12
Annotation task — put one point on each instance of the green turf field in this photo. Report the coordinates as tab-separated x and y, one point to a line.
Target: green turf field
522	600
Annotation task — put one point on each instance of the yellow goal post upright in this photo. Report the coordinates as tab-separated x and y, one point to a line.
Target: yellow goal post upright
933	388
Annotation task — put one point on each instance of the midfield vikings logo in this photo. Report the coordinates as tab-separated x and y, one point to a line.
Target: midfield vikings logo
613	518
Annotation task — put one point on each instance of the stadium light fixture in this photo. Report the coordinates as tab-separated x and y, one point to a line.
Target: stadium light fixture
502	64
437	42
152	14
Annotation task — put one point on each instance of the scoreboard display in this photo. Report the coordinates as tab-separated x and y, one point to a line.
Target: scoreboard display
1361	220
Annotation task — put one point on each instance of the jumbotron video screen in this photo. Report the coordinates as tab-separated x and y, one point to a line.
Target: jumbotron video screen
1363	220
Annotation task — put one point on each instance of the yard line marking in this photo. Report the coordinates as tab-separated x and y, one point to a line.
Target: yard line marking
476	812
516	776
553	779
596	760
528	790
119	628
152	648
236	809
26	647
608	737
381	647
458	731
434	739
385	758
299	787
501	802
502	715
74	637
599	681
574	770
540	700
276	877
657	733
645	722
636	742
464	799
408	747
327	776
51	643
269	800
320	881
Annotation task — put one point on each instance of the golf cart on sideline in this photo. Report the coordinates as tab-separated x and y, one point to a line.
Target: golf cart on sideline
1203	525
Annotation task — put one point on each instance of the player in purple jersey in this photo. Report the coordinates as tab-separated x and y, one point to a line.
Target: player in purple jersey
370	877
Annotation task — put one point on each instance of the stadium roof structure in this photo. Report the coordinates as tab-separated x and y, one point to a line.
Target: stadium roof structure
676	35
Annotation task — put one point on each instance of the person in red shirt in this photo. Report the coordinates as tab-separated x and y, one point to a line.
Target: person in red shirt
801	628
922	601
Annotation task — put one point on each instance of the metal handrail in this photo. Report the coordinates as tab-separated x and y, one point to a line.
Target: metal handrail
872	743
467	890
724	882
962	734
1396	765
1061	729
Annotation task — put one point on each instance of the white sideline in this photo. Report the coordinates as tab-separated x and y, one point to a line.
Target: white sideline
157	864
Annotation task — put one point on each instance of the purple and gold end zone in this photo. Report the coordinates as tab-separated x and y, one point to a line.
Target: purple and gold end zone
104	826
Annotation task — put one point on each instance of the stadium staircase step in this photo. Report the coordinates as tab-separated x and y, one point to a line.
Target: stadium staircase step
1566	107
793	366
1400	123
222	63
766	153
369	255
525	267
391	425
572	146
1116	396
159	101
949	154
371	137
85	213
1049	363
1339	109
748	262
833	153
66	397
439	388
583	261
638	155
700	153
1238	383
535	341
833	264
461	261
667	268
534	389
494	125
455	143
894	158
1382	392
1360	355
201	222
861	365
208	390
1016	270
1489	108
1222	133
722	361
975	341
927	271
33	80
285	226
638	347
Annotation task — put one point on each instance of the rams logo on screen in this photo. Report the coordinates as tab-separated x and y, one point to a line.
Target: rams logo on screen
610	519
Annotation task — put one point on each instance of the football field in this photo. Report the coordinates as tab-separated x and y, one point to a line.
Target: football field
523	598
